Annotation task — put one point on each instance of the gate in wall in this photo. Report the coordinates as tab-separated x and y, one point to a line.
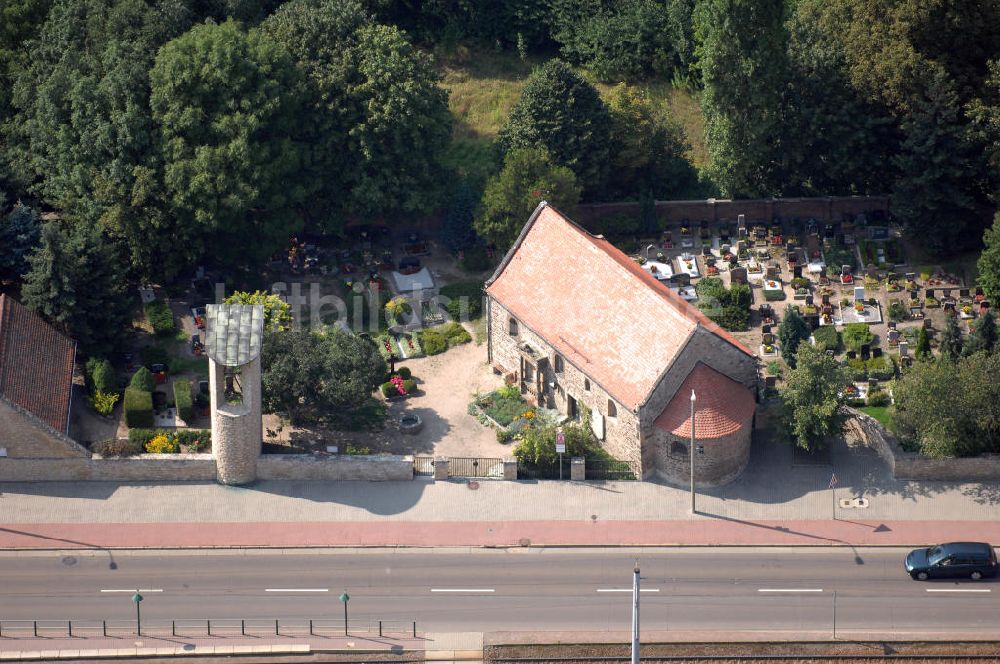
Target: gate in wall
475	467
423	465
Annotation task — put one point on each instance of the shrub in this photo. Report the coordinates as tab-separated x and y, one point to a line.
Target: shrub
433	342
162	444
859	371
827	338
879	399
898	311
880	368
404	372
196	440
103	403
800	282
142	436
410	385
388	389
138	407
856	335
182	399
160	317
101	376
455	334
116	448
142	379
467	295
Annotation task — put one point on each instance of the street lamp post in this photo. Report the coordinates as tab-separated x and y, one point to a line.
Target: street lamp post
635	613
138	618
693	399
344	597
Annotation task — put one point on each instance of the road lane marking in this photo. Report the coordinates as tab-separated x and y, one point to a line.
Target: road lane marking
132	590
463	590
957	590
627	590
789	590
296	590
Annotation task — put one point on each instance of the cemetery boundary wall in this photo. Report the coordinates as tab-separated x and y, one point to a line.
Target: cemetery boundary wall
913	466
827	208
201	468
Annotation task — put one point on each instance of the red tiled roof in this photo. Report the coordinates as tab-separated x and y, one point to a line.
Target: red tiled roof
36	364
596	306
722	406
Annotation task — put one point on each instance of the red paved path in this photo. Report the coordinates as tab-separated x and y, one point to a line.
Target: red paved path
694	532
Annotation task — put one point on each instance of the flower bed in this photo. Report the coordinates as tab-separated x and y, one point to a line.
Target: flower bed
503	406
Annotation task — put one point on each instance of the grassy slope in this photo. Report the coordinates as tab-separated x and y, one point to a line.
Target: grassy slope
484	85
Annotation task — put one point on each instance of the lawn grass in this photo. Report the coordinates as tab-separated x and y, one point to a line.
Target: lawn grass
880	413
484	85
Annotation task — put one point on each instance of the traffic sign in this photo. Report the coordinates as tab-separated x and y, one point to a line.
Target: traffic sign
560	442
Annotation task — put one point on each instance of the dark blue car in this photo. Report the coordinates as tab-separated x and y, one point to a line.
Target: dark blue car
972	560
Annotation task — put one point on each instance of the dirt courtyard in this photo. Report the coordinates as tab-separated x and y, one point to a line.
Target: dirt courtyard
447	383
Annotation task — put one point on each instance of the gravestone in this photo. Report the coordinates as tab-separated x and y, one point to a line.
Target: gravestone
871	271
979	291
706	251
851	354
826	298
769	381
928	292
946	292
910	276
773	272
859	293
809	299
768	338
904	348
914	295
876	352
741	245
928	324
741	221
766	329
893	337
962	292
892	325
796	272
738	275
866	351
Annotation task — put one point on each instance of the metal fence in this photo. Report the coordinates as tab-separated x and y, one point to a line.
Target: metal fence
191	627
475	467
609	470
423	465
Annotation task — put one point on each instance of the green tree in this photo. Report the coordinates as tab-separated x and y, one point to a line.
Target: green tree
19	235
951	340
528	177
648	150
562	113
277	312
457	233
101	376
741	54
983	337
989	261
226	107
143	380
375	121
792	331
813	398
315	377
76	284
932	198
923	347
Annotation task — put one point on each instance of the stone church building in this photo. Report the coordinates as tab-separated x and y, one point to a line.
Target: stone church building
580	326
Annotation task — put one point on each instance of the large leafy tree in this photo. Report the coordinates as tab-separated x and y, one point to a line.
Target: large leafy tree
932	196
528	177
741	52
226	106
562	113
648	150
813	398
989	261
76	284
19	236
375	124
314	377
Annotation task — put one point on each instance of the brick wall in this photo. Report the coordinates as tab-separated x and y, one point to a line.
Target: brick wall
621	437
671	213
26	437
374	468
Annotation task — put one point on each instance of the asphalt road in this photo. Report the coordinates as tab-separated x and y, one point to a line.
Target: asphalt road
762	589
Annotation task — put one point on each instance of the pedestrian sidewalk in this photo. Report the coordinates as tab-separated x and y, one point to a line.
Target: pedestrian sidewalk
773	502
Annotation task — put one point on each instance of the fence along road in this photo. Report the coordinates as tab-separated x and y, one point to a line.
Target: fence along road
865	590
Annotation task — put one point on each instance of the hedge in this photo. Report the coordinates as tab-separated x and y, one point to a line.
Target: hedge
160	317
433	342
195	439
101	376
182	399
142	380
456	334
117	448
827	338
138	407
